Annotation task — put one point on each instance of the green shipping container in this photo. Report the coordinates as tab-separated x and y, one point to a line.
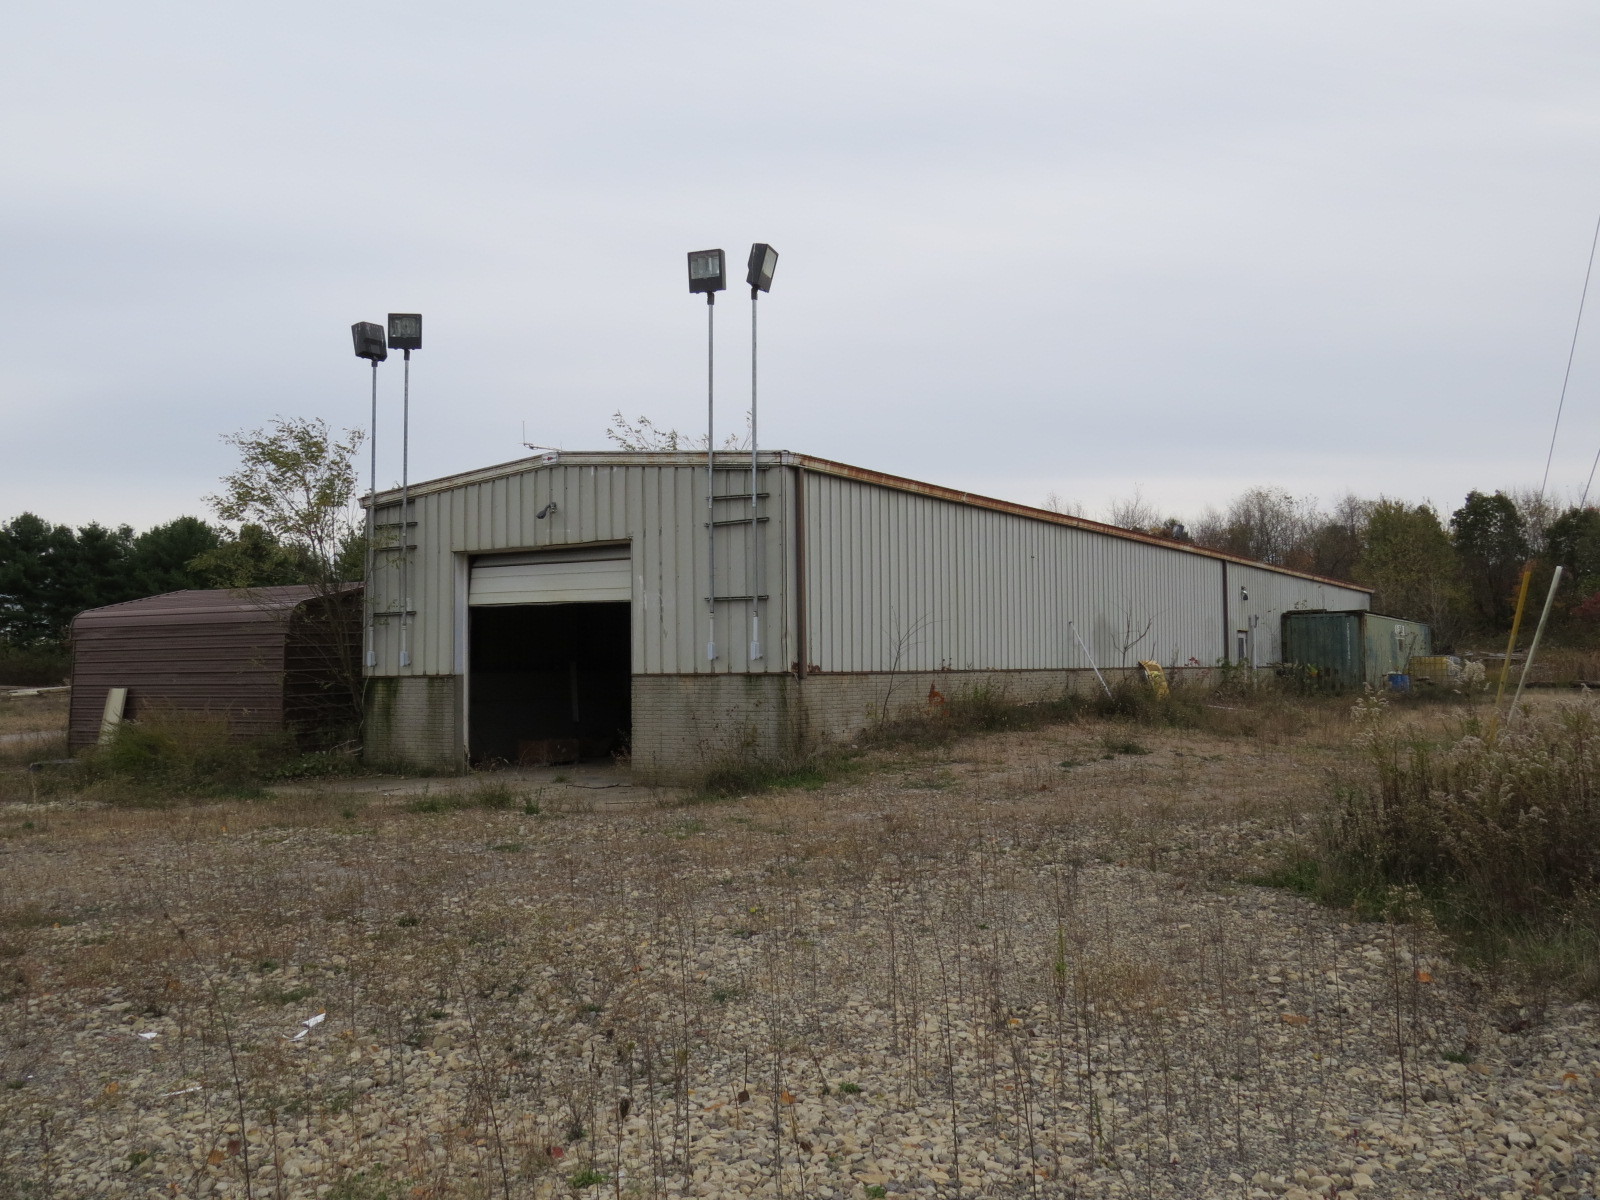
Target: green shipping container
1349	649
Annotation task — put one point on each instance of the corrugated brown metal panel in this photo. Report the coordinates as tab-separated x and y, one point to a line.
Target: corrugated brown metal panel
256	604
234	668
212	651
321	676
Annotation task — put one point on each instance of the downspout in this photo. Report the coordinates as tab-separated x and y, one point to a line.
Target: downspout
802	649
1227	625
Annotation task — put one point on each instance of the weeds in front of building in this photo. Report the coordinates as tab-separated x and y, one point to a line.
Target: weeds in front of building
475	1002
1496	837
165	757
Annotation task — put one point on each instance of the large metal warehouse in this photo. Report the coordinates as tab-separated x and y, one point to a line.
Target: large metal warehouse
562	601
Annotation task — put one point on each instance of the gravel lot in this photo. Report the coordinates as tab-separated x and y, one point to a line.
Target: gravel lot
974	971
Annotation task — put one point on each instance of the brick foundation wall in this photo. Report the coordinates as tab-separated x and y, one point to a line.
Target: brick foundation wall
684	725
413	721
838	706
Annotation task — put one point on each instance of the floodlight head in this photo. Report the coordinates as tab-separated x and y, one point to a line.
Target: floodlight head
707	272
368	337
763	262
405	331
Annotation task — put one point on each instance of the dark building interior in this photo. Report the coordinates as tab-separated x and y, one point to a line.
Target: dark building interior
550	683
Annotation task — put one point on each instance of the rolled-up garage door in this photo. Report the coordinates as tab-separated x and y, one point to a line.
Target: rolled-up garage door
594	574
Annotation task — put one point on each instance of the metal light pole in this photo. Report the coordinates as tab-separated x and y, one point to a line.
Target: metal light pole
708	274
763	262
369	343
405	334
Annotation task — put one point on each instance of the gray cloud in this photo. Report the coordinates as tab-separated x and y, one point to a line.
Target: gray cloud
1026	248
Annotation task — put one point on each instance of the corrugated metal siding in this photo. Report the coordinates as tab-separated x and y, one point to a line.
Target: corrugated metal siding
899	581
209	651
659	509
1270	596
1390	642
1350	649
1328	641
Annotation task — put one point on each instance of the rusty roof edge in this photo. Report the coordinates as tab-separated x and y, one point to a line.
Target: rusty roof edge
262	603
572	458
825	466
828	466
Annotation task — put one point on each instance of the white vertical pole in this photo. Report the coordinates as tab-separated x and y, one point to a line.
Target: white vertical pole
372	525
1533	647
711	480
1090	657
405	518
755	527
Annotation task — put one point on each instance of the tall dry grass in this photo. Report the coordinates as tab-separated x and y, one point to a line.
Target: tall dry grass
1498	840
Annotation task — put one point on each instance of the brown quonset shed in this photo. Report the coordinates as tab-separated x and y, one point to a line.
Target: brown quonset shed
269	660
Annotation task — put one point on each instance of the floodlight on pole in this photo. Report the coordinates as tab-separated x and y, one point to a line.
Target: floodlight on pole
708	274
370	345
405	334
763	262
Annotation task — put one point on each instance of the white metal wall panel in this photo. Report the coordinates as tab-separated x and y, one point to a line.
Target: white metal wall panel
551	579
659	510
902	581
1258	598
896	580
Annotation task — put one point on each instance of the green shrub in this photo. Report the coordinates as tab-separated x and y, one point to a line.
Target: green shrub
169	754
989	709
746	776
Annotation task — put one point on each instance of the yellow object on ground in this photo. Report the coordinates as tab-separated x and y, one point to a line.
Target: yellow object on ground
1433	668
1154	677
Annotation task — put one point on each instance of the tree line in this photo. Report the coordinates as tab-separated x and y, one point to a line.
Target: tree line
290	520
1459	573
50	573
289	502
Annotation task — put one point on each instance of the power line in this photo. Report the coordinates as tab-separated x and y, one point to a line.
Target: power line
1572	350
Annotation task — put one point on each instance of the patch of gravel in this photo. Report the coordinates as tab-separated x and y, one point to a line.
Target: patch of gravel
935	985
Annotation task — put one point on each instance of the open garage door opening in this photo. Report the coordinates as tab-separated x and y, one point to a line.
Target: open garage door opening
550	658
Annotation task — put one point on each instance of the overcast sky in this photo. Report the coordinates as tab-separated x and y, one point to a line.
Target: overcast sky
1026	247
